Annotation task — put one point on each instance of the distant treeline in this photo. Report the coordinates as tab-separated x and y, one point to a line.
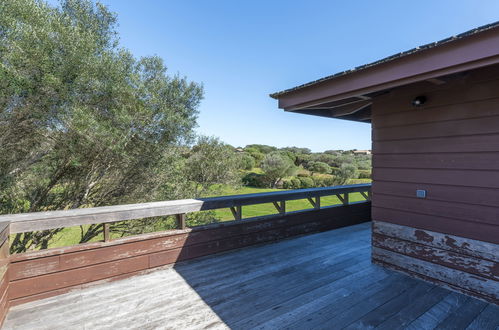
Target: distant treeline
294	168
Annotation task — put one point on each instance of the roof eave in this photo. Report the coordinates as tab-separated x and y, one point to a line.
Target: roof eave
466	53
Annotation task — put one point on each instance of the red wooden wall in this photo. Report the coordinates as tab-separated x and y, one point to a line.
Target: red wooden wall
448	147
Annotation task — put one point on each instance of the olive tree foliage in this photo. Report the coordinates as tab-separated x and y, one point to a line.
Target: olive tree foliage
209	165
256	154
319	167
211	162
346	172
247	162
84	123
297	150
264	149
276	166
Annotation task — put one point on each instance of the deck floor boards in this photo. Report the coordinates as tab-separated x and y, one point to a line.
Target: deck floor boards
319	281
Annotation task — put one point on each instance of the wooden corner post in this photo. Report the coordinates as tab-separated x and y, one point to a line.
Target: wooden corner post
107	231
181	222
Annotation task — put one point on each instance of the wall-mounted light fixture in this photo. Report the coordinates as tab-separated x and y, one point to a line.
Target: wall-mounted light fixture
419	101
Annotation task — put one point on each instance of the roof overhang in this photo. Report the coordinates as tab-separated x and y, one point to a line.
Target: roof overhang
348	95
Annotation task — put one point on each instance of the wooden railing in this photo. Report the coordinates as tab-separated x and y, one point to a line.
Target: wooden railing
37	221
38	274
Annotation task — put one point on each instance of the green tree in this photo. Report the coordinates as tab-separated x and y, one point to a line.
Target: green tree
302	159
83	122
256	154
325	158
295	183
306	182
264	149
297	150
211	162
255	180
289	154
346	172
247	162
277	166
364	164
319	167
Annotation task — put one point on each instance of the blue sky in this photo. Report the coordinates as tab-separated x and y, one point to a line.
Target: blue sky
243	50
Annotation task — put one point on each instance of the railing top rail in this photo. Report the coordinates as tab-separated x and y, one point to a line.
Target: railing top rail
276	196
66	218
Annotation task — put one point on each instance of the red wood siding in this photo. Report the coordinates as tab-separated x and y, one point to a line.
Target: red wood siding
461	264
450	148
42	274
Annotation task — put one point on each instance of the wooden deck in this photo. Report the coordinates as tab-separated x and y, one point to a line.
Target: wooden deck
323	280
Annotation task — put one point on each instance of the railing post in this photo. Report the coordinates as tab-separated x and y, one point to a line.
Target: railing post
366	195
315	201
237	212
317	205
181	223
107	232
280	206
343	199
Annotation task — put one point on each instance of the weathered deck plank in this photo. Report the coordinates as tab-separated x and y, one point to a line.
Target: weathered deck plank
390	308
410	312
486	320
324	280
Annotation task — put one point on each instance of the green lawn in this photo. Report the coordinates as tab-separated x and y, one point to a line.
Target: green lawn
70	236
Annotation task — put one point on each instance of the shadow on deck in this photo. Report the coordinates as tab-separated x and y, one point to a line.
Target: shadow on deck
323	280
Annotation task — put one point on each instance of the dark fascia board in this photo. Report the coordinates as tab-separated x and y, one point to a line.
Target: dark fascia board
462	54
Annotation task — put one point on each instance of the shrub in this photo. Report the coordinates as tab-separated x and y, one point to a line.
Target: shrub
318	181
295	183
265	149
286	184
324	181
330	181
247	162
292	183
290	155
302	159
255	180
347	172
319	167
364	165
335	170
306	182
363	174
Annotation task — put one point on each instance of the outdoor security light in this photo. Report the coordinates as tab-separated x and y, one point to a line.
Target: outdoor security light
419	101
